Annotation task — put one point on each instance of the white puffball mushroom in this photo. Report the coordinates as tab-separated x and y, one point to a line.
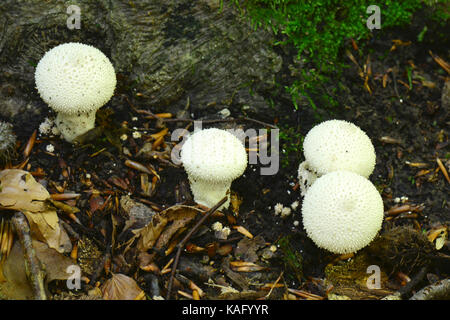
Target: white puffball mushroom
213	158
75	80
339	145
342	212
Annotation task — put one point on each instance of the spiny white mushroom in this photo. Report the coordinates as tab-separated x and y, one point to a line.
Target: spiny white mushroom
335	145
342	212
213	158
75	80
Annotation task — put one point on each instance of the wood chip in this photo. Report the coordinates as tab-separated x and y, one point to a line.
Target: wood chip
443	170
244	231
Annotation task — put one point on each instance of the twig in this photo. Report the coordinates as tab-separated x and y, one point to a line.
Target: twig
405	291
274	285
395	83
70	230
223	120
32	265
180	245
140	111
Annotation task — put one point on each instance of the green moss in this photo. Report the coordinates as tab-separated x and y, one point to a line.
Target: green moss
291	142
293	260
319	30
352	272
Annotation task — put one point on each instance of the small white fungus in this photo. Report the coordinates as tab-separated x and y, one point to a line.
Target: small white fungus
217	226
286	212
136	134
278	208
46	126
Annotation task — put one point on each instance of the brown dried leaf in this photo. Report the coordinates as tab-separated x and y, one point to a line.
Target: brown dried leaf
44	226
122	287
246	249
139	215
179	216
236	202
95	203
20	191
54	262
17	286
225	249
438	235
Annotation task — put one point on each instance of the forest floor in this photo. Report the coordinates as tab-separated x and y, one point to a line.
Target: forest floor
394	94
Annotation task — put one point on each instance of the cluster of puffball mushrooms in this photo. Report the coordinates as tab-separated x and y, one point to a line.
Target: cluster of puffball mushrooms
342	211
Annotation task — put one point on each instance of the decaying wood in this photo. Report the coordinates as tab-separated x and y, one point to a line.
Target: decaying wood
32	264
436	291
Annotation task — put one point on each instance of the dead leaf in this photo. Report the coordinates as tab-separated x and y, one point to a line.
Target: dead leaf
236	202
164	225
44	226
438	235
139	215
55	263
441	62
246	248
95	203
20	191
122	287
17	286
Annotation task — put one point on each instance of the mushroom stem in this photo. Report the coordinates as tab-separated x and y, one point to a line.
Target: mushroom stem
208	193
72	126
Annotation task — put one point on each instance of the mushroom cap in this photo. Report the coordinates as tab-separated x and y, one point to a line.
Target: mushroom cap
342	212
213	154
75	77
339	145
